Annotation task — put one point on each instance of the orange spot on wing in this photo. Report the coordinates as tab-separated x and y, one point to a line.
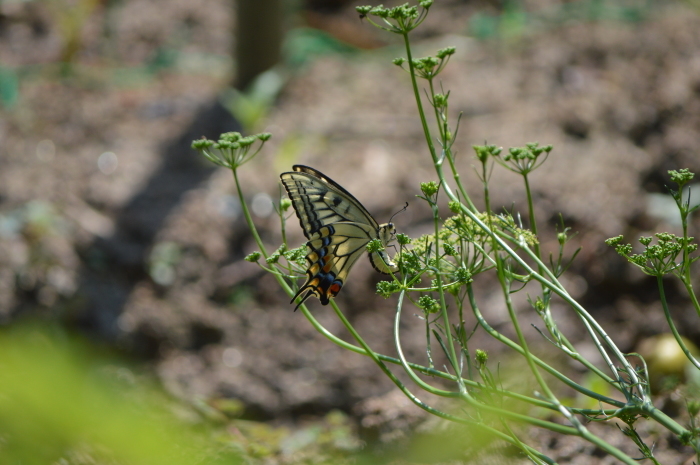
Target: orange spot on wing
334	289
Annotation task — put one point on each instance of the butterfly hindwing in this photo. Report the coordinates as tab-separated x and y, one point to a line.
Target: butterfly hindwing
333	251
338	228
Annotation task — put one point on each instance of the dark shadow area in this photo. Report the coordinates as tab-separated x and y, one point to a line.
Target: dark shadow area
112	266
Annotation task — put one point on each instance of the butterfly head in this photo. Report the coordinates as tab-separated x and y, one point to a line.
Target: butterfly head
387	233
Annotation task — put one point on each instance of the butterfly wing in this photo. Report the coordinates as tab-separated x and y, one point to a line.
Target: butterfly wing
319	201
332	253
338	228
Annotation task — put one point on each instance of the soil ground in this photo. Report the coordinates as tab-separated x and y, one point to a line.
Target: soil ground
110	223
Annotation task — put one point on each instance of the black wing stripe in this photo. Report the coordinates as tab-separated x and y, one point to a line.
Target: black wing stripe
314	192
317	174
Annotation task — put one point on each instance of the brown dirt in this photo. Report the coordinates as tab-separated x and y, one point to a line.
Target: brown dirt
620	101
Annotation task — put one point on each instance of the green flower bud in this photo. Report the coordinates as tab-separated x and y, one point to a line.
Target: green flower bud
693	407
403	239
481	357
375	245
682	176
246	141
428	304
613	241
253	257
561	238
429	188
463	275
445	52
231	136
386	288
380	11
440	100
202	144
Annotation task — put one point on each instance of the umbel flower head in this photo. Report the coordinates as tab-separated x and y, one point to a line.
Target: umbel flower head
232	149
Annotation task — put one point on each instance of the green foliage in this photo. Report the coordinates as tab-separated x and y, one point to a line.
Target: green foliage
9	87
514	21
58	396
162	262
437	275
657	259
252	105
66	401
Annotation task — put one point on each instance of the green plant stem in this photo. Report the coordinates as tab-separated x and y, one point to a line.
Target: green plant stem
586	321
463	394
688	284
248	217
452	355
685	273
610	449
557	289
421	112
429	350
549	321
397	342
417	401
669	320
409	368
448	152
531	214
573	353
413	366
506	341
521	337
667	422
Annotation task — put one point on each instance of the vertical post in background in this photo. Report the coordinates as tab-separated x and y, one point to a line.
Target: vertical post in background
259	35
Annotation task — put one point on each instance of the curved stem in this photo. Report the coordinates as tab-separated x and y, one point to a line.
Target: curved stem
417	401
676	334
416	93
503	339
557	289
248	217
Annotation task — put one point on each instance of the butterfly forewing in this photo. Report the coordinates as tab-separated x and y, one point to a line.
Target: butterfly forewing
338	228
319	201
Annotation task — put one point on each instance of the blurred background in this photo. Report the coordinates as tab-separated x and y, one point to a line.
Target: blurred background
124	297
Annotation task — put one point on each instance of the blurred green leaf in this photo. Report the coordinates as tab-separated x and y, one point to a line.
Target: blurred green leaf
9	87
55	398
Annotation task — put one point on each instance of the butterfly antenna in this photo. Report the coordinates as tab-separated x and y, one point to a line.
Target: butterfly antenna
400	211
